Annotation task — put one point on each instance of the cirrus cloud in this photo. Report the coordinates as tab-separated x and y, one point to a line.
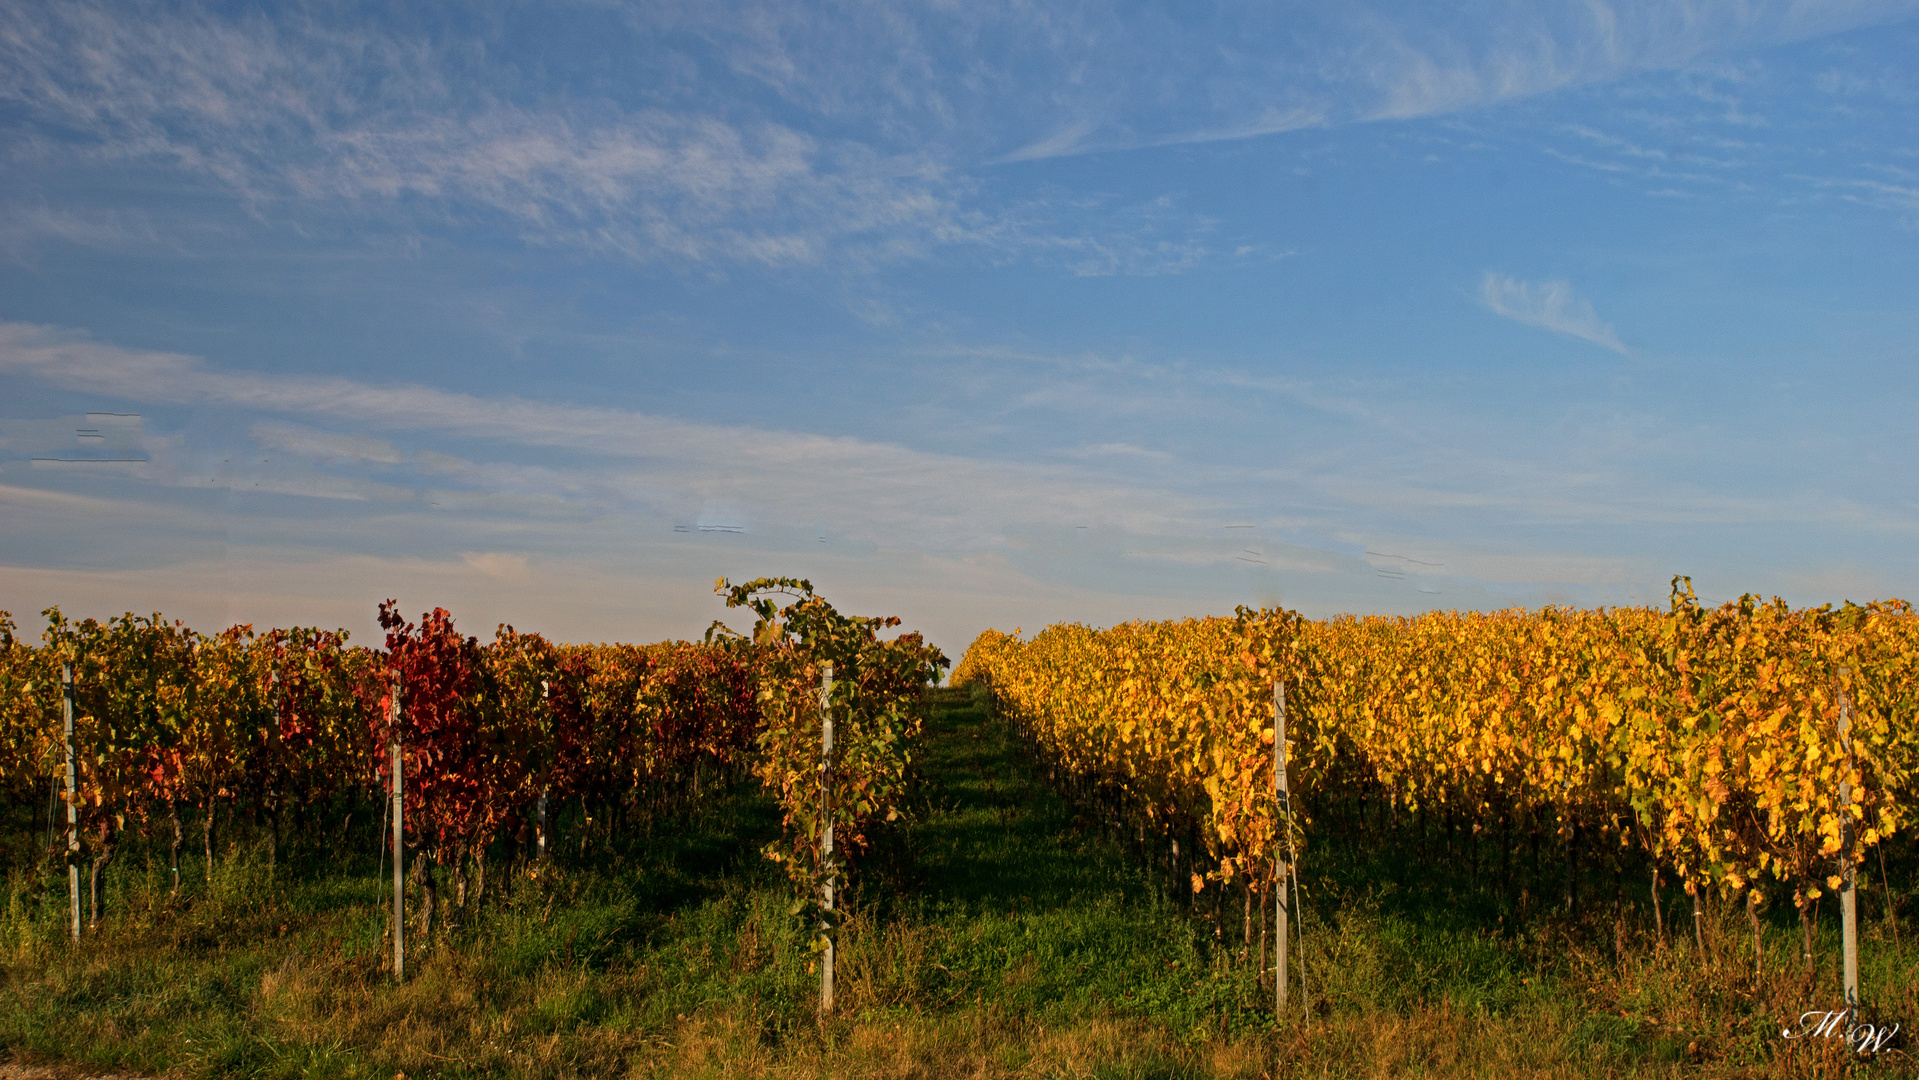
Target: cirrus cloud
1549	305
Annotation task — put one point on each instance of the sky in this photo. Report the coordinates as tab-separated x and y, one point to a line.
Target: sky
979	314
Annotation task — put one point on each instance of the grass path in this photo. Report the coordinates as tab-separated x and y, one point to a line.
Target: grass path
1038	915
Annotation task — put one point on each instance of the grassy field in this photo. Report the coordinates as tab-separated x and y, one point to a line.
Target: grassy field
999	936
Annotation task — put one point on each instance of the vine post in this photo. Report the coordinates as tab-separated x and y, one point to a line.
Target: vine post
399	849
826	839
1848	896
73	814
1282	866
539	832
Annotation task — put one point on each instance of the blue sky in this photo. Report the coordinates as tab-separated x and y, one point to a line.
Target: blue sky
981	314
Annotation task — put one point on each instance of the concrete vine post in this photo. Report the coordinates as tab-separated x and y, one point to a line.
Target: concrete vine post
826	839
1292	867
1848	896
546	695
1282	866
399	848
1698	919
73	813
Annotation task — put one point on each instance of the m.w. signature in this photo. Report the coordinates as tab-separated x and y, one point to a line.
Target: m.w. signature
1862	1037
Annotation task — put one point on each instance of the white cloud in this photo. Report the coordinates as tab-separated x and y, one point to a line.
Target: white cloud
1119	450
609	484
874	491
887	110
324	446
1550	305
264	109
598	461
261	109
1013	81
497	564
24	230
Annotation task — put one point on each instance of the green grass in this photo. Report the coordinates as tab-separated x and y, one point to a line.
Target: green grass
1002	935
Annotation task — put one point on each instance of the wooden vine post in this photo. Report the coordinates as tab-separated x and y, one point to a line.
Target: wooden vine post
826	839
73	813
1848	897
399	849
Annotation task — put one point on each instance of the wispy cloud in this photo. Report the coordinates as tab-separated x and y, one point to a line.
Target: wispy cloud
324	446
569	482
261	109
618	460
301	119
1549	305
1098	235
27	229
1751	132
884	113
1061	79
880	492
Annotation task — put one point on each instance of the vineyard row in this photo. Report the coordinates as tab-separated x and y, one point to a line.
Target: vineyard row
269	727
1749	750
